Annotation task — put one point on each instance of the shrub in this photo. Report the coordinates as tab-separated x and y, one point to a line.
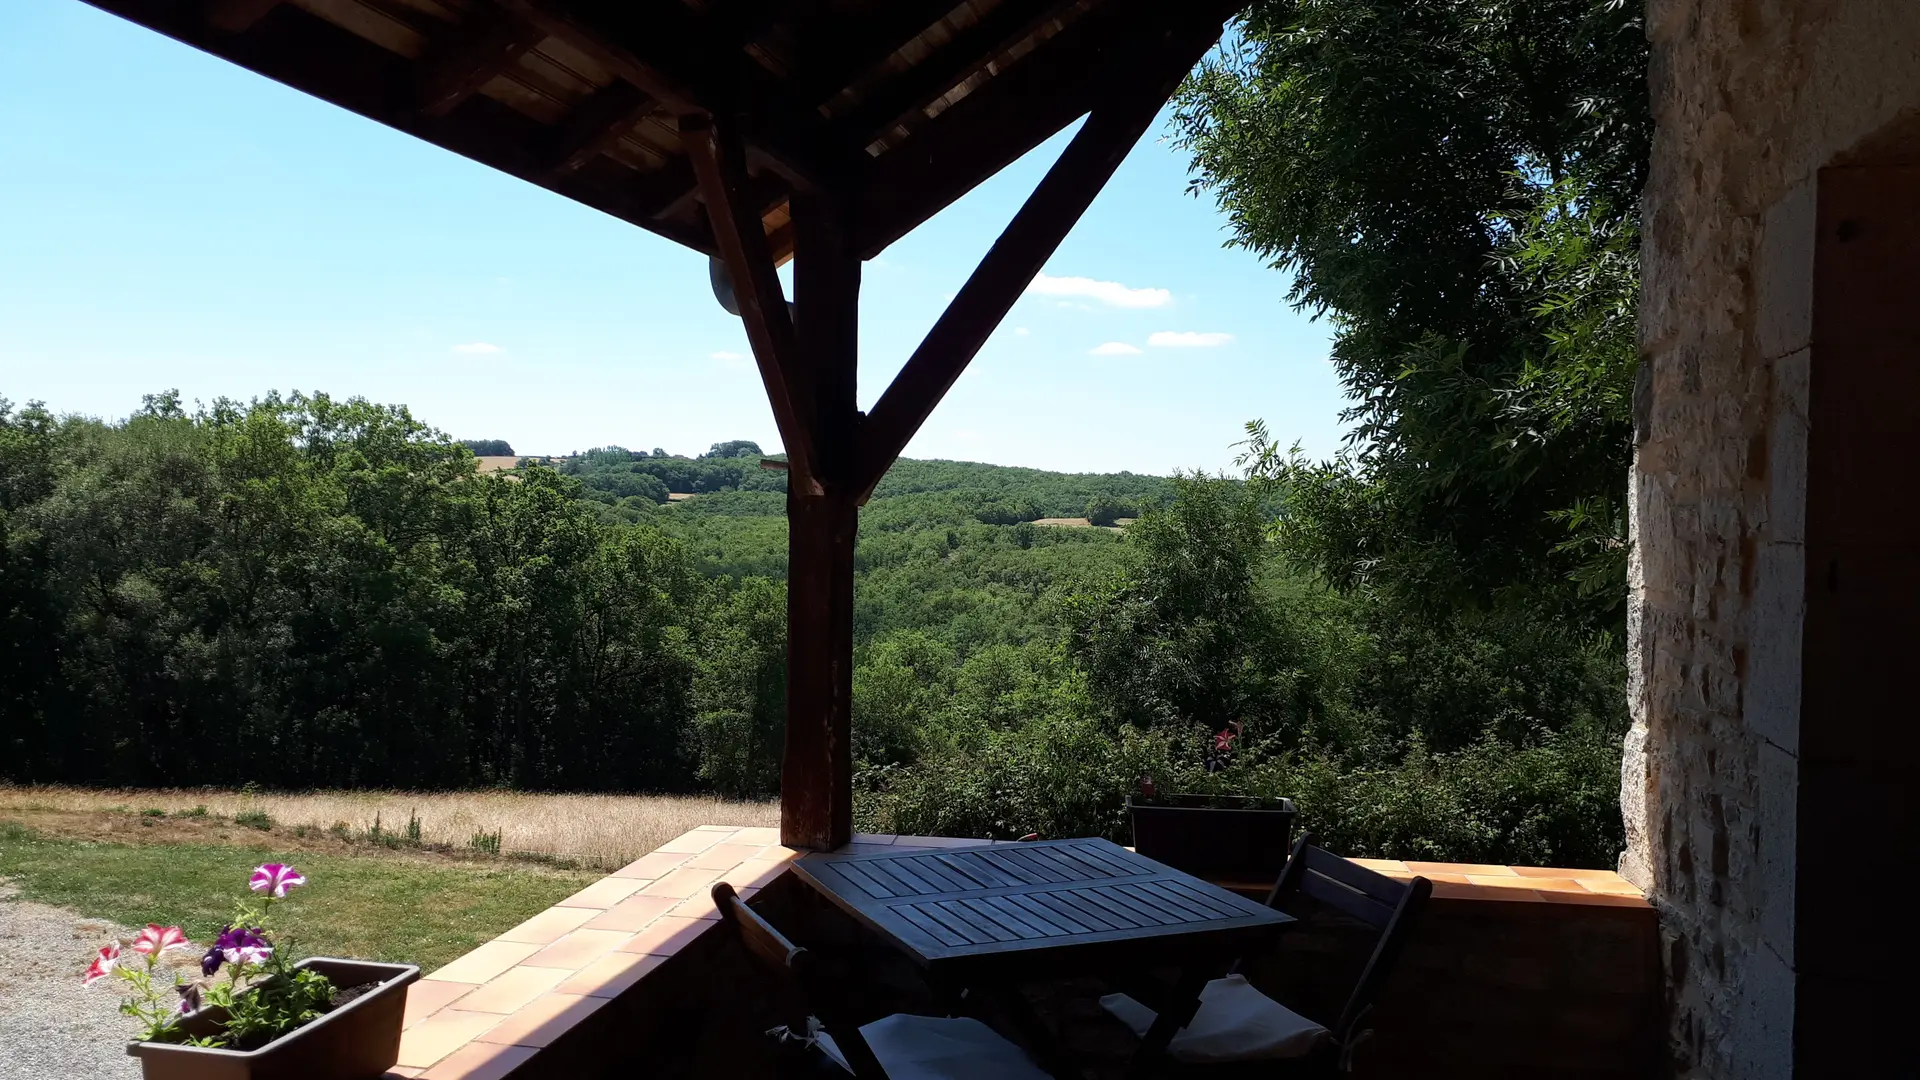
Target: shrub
253	819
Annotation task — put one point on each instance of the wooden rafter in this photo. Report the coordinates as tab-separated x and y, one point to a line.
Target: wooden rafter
839	54
969	51
719	161
236	16
1026	244
990	128
596	124
666	50
486	44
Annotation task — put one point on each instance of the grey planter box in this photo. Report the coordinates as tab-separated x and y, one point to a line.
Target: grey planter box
358	1041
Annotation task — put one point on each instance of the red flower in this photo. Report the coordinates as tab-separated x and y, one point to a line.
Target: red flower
102	964
156	939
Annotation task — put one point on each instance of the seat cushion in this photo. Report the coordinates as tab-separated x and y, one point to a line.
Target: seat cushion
939	1048
1235	1023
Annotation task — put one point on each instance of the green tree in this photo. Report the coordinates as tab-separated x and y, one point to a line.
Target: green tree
1181	637
740	690
1456	183
1107	510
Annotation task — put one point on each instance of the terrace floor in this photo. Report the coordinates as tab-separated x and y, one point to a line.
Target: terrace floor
625	971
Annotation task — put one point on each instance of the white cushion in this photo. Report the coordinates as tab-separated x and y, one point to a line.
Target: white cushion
1235	1023
939	1048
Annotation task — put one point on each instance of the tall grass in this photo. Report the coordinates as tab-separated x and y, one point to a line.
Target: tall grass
596	830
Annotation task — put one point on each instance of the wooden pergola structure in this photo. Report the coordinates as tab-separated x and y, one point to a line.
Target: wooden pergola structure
757	131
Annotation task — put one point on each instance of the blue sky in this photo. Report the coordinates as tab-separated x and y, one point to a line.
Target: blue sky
170	221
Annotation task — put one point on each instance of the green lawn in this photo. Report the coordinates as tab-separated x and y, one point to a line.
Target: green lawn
375	906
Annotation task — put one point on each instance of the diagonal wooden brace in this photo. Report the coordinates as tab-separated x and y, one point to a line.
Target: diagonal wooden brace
1028	241
719	163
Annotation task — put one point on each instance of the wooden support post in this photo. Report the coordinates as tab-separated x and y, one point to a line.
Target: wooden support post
816	774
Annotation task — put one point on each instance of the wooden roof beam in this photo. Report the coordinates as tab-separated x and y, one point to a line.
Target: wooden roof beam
719	160
969	51
1015	111
596	124
237	16
1028	241
489	42
841	54
666	50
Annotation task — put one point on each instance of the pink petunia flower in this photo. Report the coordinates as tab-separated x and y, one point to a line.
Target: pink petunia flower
156	939
103	964
275	879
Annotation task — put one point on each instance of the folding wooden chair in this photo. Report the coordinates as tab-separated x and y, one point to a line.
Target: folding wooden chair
1238	1024
898	1047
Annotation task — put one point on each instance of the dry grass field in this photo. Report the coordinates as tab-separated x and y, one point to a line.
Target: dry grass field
1119	525
495	463
596	830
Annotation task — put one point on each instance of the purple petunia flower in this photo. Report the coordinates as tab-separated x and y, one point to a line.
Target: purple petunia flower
275	879
245	945
189	997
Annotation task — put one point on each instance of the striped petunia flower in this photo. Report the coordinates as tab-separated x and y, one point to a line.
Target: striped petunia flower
275	879
103	964
156	939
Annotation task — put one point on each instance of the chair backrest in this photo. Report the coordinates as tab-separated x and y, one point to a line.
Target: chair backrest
795	967
1375	899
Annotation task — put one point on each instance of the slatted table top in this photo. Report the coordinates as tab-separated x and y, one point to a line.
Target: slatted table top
1047	903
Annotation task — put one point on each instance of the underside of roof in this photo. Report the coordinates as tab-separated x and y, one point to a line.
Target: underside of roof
903	104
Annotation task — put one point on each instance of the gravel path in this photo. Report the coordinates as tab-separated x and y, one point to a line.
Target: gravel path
51	1027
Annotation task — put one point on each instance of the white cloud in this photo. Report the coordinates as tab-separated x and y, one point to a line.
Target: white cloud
1114	348
478	348
1187	339
1021	331
1110	293
725	355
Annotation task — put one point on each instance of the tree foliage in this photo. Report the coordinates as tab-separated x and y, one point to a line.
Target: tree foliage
1455	185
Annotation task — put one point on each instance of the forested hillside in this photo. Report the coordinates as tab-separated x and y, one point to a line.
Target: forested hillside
307	592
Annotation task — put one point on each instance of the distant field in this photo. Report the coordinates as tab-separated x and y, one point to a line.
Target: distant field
679	496
596	830
491	463
1082	523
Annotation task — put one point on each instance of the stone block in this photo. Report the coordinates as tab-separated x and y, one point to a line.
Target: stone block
1783	321
1774	655
1776	820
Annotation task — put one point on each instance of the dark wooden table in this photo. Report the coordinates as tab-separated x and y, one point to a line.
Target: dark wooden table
995	916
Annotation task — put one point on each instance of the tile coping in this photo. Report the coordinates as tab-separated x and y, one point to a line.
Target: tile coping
489	1012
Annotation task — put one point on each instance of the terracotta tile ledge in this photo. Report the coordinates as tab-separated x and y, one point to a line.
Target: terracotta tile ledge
490	1012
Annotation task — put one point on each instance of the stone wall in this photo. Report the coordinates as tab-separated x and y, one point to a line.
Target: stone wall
1751	98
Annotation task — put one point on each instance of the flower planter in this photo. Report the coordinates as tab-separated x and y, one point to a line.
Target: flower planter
357	1041
1228	839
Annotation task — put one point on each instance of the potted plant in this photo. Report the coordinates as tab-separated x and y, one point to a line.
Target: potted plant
254	1013
1236	840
